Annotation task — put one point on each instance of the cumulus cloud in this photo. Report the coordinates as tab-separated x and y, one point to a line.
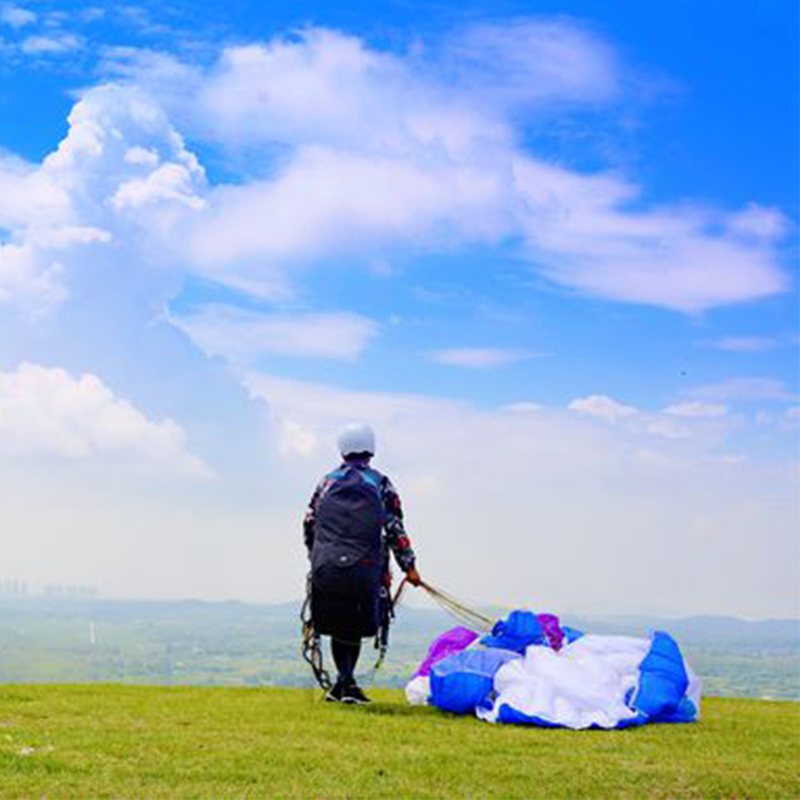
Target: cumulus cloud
327	202
563	485
745	389
587	233
16	16
29	195
696	408
479	357
92	190
668	429
744	344
522	407
363	152
531	62
45	410
340	121
242	335
29	278
52	45
603	407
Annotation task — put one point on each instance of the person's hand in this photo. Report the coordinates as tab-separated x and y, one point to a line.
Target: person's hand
412	576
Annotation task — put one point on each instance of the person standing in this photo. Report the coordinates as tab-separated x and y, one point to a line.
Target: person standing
353	521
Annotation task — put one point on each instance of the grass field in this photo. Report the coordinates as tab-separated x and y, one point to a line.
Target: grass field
124	741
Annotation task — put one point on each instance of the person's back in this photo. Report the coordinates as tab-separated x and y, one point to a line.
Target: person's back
353	520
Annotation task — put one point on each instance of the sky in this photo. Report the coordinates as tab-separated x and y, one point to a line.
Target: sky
548	250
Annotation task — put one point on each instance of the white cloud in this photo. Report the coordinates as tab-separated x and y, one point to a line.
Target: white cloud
28	195
55	44
243	335
534	62
668	429
469	476
479	357
294	439
169	182
342	121
747	388
744	344
16	16
328	88
31	272
603	407
142	155
758	222
339	122
47	411
585	234
696	408
329	202
94	189
29	279
325	188
522	407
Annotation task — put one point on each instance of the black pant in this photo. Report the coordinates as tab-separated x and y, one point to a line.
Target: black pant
345	605
345	656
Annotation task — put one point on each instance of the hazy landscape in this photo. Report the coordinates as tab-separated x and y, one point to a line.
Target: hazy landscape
77	640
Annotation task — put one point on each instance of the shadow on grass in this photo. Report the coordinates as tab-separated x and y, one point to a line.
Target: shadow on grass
396	710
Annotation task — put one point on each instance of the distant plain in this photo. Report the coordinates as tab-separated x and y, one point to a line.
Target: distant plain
61	640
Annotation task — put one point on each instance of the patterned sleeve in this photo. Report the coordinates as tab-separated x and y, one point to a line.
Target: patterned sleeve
311	517
394	530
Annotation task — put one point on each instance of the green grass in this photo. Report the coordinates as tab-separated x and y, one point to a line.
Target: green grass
126	741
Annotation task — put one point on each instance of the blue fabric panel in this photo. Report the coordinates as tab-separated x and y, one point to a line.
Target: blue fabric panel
521	629
571	634
510	716
662	680
685	712
463	681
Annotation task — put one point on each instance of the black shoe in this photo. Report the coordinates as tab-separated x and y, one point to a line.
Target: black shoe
335	694
353	694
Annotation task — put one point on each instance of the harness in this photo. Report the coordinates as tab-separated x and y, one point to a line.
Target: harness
312	642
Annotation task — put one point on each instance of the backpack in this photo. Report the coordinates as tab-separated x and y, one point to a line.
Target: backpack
349	520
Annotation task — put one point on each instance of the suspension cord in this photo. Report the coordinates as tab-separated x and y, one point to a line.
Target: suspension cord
312	645
468	616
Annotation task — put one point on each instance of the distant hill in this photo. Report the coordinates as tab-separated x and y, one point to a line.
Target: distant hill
197	642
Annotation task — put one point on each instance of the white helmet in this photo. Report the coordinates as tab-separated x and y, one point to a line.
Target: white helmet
357	438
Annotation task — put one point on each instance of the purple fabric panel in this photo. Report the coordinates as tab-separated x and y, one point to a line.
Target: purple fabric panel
552	630
453	641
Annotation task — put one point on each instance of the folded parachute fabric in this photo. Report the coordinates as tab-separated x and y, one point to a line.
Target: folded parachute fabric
590	682
522	628
462	682
449	643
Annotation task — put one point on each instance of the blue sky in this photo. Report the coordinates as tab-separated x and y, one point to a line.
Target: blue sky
548	249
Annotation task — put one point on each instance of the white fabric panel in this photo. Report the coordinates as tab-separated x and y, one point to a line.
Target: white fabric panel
582	685
418	690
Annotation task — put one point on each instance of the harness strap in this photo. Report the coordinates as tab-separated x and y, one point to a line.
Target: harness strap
311	645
